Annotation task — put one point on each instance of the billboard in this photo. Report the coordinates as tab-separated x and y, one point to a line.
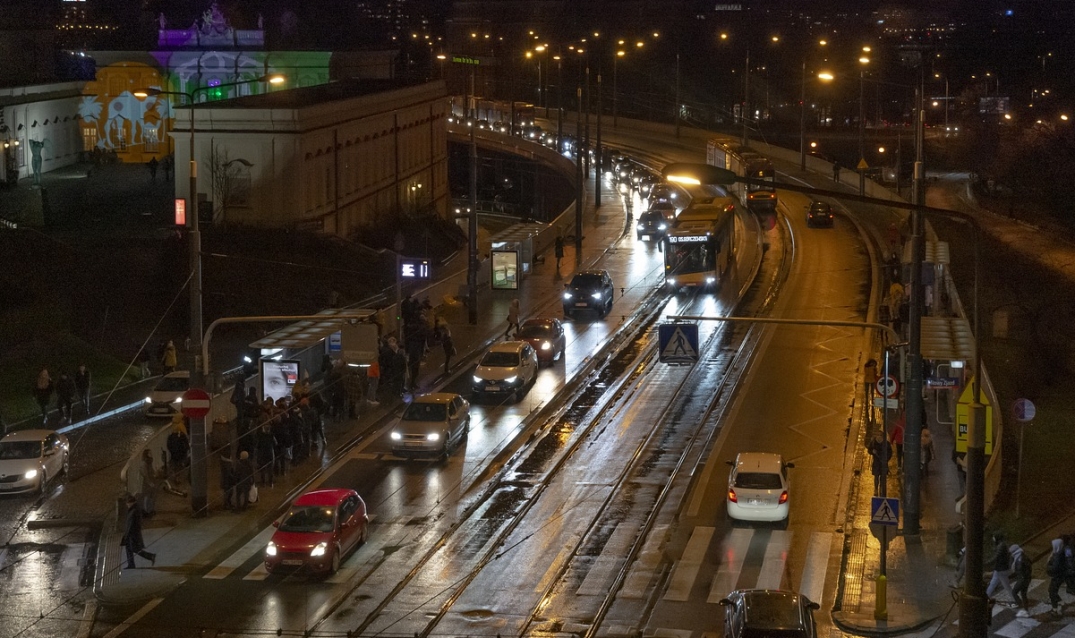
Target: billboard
278	378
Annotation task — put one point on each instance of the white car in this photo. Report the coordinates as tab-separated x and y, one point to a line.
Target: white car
758	488
431	424
509	367
166	396
29	458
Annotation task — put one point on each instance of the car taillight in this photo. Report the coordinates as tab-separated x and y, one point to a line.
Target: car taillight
735	499
783	497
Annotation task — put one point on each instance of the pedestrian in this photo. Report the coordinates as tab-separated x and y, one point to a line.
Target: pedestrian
178	445
1002	567
928	451
153	163
43	389
880	453
373	379
238	400
836	171
244	480
960	459
558	250
65	395
353	387
896	438
416	347
895	239
283	441
265	453
149	484
513	317
252	407
1069	562
143	363
317	426
132	535
168	165
169	360
1056	569
82	384
227	480
448	345
1022	570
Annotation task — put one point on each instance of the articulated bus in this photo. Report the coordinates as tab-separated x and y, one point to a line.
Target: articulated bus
698	248
745	163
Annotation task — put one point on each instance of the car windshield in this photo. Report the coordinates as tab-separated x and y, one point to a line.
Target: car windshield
425	412
173	384
536	331
20	450
500	360
757	481
586	281
308	519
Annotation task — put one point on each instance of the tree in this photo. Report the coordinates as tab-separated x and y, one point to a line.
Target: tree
231	183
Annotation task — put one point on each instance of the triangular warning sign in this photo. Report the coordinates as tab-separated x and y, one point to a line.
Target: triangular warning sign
679	347
862	165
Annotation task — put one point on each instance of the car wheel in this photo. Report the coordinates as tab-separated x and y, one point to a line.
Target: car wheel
66	465
365	533
335	567
783	524
466	429
43	483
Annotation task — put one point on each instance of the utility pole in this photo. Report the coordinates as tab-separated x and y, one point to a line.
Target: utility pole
746	97
597	151
578	179
472	221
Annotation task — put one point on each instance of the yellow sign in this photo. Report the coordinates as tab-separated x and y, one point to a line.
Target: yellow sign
862	165
963	416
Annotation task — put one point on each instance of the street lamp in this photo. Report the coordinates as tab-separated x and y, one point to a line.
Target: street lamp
195	234
615	60
864	59
824	77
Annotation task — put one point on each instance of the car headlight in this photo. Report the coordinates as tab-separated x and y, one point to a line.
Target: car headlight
30	474
319	549
671	281
545	345
270	549
433	436
478	379
148	400
512	379
597	295
567	295
395	436
710	280
640	227
177	400
662	226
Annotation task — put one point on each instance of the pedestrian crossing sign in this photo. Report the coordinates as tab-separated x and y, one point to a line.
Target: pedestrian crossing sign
885	511
678	343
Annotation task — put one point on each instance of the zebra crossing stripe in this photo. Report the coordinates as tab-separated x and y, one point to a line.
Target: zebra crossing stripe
243	554
733	554
686	570
812	584
776	554
600	575
258	573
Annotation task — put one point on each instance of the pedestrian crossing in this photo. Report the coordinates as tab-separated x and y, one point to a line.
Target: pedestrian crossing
1011	622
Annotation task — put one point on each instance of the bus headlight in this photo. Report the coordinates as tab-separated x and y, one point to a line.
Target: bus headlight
710	280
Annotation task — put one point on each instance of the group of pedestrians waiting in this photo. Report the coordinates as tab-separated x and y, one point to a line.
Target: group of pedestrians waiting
69	390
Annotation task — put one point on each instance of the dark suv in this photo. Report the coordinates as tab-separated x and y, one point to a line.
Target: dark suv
652	225
591	289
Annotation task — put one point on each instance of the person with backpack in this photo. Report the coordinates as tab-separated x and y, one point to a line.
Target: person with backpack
1002	567
1022	571
1056	570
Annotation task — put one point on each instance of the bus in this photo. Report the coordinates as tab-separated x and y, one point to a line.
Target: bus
745	163
698	248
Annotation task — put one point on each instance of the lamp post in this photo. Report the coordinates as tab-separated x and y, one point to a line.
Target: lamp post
802	111
615	92
863	60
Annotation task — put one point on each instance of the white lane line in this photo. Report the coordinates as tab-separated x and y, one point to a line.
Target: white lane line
776	554
1067	632
686	569
135	617
733	554
645	568
600	575
85	626
817	564
258	573
243	554
1017	628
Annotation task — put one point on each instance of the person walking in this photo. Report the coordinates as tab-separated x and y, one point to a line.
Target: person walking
169	360
928	450
448	345
836	172
178	445
373	379
881	452
1002	567
153	163
244	480
143	363
1056	570
65	396
558	250
82	384
227	480
513	317
43	389
132	535
283	441
149	484
1022	570
265	453
896	438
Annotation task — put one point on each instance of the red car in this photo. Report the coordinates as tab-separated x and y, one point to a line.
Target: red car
546	336
320	529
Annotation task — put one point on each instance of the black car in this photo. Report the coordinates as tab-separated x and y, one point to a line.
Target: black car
819	214
589	289
756	613
652	224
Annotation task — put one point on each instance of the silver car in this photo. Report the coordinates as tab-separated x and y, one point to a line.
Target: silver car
431	425
165	398
29	458
509	367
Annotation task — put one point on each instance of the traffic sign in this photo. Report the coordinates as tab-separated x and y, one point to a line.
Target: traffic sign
882	402
888	386
196	403
678	343
862	165
1023	410
885	511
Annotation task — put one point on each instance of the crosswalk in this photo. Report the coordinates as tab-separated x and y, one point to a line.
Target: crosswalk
1011	622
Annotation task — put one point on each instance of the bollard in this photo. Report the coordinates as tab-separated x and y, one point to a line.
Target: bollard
880	610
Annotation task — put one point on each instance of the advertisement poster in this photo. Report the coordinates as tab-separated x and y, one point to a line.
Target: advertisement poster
505	269
278	378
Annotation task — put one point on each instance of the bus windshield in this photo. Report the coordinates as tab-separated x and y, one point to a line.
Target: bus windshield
690	257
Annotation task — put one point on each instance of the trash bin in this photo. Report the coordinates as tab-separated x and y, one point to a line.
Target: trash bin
954	538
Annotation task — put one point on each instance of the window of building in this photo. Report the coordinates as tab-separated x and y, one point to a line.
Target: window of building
241	190
149	136
89	138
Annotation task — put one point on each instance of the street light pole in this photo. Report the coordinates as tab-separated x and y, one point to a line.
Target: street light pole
746	96
615	94
802	122
862	131
195	243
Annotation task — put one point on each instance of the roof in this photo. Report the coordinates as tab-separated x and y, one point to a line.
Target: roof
434	397
308	332
947	339
759	461
540	321
507	346
323	497
27	435
936	252
309	95
772	609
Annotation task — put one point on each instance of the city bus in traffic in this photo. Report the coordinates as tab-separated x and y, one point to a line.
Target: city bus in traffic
698	248
745	163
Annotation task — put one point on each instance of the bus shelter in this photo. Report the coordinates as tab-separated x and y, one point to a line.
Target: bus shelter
512	255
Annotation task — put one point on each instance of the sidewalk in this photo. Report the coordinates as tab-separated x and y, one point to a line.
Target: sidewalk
185	545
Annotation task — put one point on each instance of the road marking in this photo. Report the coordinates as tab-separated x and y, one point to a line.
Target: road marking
599	576
243	554
686	569
554	567
85	626
1017	628
343	575
776	554
258	573
817	565
734	554
645	568
135	617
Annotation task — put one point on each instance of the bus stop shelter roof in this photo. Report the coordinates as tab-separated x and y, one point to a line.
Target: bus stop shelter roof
936	253
308	332
518	232
947	339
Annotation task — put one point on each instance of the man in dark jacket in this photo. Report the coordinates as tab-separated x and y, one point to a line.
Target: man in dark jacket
1002	567
65	394
132	535
82	383
227	480
244	479
178	448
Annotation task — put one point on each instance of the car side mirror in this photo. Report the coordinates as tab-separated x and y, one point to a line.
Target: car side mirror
789	465
725	602
730	462
50	452
813	605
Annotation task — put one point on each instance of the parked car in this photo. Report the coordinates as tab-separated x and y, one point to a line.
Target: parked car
29	458
319	529
165	398
430	425
589	289
509	367
751	613
546	335
819	214
758	488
